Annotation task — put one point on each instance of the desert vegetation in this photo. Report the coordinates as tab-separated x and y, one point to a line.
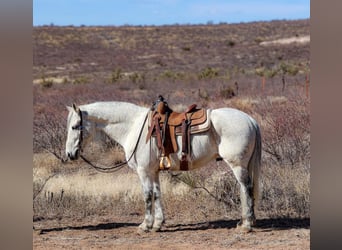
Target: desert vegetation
211	65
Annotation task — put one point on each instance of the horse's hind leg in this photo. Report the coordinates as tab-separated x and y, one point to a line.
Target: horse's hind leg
246	197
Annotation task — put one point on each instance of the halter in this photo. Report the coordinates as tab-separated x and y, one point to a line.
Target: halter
80	128
105	169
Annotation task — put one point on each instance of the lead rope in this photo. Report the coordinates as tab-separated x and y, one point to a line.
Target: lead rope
119	165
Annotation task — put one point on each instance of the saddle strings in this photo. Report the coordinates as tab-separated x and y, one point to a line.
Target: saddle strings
121	164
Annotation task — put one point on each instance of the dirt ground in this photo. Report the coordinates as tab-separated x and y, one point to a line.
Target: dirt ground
122	233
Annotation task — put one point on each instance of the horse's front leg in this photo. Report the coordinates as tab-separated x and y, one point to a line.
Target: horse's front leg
148	220
146	225
147	186
158	208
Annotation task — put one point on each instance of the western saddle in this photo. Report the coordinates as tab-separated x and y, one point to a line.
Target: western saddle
165	125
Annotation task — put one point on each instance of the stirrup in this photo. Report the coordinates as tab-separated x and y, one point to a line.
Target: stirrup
161	163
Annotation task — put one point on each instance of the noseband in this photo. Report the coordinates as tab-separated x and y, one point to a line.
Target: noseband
81	130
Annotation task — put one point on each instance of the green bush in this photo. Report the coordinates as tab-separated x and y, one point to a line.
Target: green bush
208	73
116	75
81	80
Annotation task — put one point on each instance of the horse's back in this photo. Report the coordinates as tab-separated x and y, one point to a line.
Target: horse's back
230	119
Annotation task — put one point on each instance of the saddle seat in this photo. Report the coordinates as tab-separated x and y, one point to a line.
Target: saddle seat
166	125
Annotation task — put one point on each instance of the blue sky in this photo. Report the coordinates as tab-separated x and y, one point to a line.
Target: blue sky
160	12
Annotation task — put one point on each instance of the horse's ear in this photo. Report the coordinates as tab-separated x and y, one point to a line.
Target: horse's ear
75	107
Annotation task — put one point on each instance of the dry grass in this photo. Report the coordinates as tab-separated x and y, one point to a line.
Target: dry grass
210	192
286	192
76	190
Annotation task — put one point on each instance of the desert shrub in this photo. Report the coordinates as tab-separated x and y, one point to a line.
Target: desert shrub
47	166
81	80
136	77
203	94
208	73
47	83
186	48
172	75
116	75
285	191
160	62
217	186
230	43
286	132
226	190
61	204
266	72
49	134
168	74
288	68
227	92
285	124
227	75
259	39
245	104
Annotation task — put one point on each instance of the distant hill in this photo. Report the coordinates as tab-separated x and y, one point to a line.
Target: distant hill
102	54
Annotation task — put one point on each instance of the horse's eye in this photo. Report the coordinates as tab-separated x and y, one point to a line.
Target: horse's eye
76	127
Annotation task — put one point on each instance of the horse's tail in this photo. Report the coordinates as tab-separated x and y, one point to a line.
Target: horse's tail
254	165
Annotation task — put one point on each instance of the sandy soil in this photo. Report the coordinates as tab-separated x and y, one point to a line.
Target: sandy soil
285	41
122	233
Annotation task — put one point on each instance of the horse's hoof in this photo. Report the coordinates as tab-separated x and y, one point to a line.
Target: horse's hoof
253	223
244	228
156	229
142	231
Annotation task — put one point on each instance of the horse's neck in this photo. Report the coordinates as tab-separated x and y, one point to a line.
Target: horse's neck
118	120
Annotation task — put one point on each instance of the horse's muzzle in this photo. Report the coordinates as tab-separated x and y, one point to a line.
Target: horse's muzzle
74	156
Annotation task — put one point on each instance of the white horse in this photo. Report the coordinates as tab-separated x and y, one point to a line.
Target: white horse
234	136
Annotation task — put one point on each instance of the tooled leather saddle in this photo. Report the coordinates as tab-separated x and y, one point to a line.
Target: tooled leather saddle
166	125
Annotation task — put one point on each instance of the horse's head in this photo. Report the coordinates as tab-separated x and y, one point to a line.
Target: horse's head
74	133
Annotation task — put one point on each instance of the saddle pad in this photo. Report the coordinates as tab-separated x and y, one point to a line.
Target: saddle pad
194	129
